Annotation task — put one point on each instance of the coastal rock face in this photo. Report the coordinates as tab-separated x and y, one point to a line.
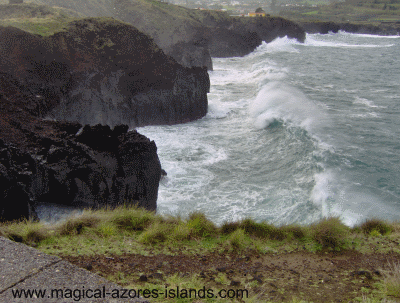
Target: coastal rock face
192	53
15	202
225	42
68	164
321	27
270	28
238	36
103	71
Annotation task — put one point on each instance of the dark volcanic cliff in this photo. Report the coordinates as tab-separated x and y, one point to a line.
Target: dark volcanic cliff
239	36
103	71
68	164
96	71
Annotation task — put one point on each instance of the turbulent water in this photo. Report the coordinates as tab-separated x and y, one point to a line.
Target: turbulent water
294	132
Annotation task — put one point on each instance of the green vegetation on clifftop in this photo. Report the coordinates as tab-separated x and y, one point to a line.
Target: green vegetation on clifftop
36	19
356	11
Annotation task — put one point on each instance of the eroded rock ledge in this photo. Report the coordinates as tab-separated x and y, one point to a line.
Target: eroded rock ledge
324	27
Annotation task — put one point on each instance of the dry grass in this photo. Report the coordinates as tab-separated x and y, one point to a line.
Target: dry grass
392	280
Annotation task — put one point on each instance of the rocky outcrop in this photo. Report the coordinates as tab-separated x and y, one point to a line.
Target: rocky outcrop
103	71
323	27
320	27
68	164
270	28
232	37
228	42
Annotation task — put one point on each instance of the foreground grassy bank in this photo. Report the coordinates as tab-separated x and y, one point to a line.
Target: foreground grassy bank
325	261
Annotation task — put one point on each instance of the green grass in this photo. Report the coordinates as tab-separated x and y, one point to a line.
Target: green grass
128	229
37	19
311	13
392	280
364	11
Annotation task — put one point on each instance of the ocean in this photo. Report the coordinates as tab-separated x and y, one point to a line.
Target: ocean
294	133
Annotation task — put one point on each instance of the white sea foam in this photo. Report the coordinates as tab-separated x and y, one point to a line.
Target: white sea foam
366	115
278	45
368	35
335	195
366	102
312	40
280	101
218	110
322	191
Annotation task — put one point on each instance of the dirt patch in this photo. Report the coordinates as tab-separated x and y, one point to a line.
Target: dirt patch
326	277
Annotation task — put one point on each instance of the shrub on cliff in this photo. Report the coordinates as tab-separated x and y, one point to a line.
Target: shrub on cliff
377	225
229	227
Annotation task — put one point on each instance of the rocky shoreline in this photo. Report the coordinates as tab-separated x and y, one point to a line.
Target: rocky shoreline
324	27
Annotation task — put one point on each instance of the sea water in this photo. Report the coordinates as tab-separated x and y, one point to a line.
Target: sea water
294	133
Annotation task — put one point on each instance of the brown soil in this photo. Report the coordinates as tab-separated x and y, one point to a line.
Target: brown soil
323	277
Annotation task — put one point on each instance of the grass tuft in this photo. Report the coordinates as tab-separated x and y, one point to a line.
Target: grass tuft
330	233
237	240
201	226
263	230
26	232
133	219
156	233
298	232
392	280
107	229
76	225
181	232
